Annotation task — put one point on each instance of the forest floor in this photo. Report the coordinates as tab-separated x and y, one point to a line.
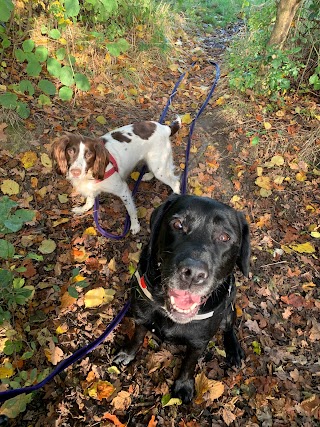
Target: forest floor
278	306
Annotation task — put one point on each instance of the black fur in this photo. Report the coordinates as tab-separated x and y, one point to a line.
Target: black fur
195	244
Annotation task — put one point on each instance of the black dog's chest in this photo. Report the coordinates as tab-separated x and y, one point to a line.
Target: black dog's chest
183	334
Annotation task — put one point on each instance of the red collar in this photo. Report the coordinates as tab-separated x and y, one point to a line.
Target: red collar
110	171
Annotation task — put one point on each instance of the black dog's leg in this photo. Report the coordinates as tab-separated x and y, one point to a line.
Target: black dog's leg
128	353
183	387
234	352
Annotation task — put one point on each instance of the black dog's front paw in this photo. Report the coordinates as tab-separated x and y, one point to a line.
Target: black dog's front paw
124	358
184	389
234	352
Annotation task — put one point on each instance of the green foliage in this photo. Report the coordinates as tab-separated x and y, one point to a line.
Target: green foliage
269	71
12	222
6	7
13	290
72	291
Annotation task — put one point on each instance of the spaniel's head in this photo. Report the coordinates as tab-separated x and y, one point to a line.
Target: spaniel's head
74	156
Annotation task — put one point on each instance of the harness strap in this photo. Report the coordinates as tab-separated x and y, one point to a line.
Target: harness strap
110	171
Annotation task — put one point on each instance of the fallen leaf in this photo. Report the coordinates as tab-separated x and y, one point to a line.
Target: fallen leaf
47	246
101	390
228	416
306	248
29	159
113	419
79	255
122	401
10	187
315	331
153	422
90	231
6	371
206	388
263	182
54	354
102	120
135	175
67	300
186	119
98	296
60	221
62	329
45	160
267	125
63	198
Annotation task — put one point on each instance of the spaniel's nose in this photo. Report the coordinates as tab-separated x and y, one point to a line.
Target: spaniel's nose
193	271
75	172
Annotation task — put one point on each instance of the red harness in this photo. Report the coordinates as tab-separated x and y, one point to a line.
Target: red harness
110	171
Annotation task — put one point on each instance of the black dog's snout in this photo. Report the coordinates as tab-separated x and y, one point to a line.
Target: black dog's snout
193	271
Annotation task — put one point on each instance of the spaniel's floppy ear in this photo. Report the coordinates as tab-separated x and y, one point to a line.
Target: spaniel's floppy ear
101	161
243	261
58	155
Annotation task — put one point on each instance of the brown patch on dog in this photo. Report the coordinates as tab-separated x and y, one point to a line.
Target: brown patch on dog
119	136
144	129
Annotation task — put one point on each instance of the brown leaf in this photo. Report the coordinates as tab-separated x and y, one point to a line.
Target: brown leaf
153	422
113	418
122	401
315	331
228	416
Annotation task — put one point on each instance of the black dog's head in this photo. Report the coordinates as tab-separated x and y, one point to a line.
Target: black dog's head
195	244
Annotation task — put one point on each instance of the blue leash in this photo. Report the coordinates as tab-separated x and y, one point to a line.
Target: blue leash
81	352
184	177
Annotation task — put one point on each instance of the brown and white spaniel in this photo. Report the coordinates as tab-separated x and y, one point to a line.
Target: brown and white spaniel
96	165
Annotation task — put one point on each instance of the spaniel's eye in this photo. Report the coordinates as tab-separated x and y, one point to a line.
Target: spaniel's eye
177	224
224	237
70	151
88	154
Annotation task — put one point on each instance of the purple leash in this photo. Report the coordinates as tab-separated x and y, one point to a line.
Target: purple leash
184	177
81	352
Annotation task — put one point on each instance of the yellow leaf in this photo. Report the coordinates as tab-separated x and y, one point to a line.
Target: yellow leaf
45	160
174	67
10	187
94	297
42	192
173	401
308	286
267	125
141	212
186	119
303	248
60	221
259	171
310	208
220	100
265	193
62	329
29	159
193	149
276	161
135	175
101	389
112	265
79	255
102	120
197	191
133	91
63	41
315	234
108	295
90	231
54	354
280	113
6	371
78	278
263	182
301	176
278	179
63	198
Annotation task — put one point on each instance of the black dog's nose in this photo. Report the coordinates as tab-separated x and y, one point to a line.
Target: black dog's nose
193	271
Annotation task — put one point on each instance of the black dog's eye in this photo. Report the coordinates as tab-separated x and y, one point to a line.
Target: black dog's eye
224	237
177	224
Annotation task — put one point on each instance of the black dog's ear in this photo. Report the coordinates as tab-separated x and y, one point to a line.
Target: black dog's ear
243	260
155	220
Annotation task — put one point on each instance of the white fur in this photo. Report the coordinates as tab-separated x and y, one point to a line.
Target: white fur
156	152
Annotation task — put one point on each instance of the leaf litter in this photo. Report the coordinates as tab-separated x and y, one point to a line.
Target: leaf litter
277	307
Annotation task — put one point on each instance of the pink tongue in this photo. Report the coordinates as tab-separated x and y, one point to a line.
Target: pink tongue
184	299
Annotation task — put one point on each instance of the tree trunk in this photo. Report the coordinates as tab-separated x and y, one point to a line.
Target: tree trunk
286	11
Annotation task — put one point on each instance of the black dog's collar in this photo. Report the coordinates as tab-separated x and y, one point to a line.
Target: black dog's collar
143	287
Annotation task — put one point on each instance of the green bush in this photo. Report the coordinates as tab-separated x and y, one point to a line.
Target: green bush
269	71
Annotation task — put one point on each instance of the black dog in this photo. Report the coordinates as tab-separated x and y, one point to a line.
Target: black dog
184	288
